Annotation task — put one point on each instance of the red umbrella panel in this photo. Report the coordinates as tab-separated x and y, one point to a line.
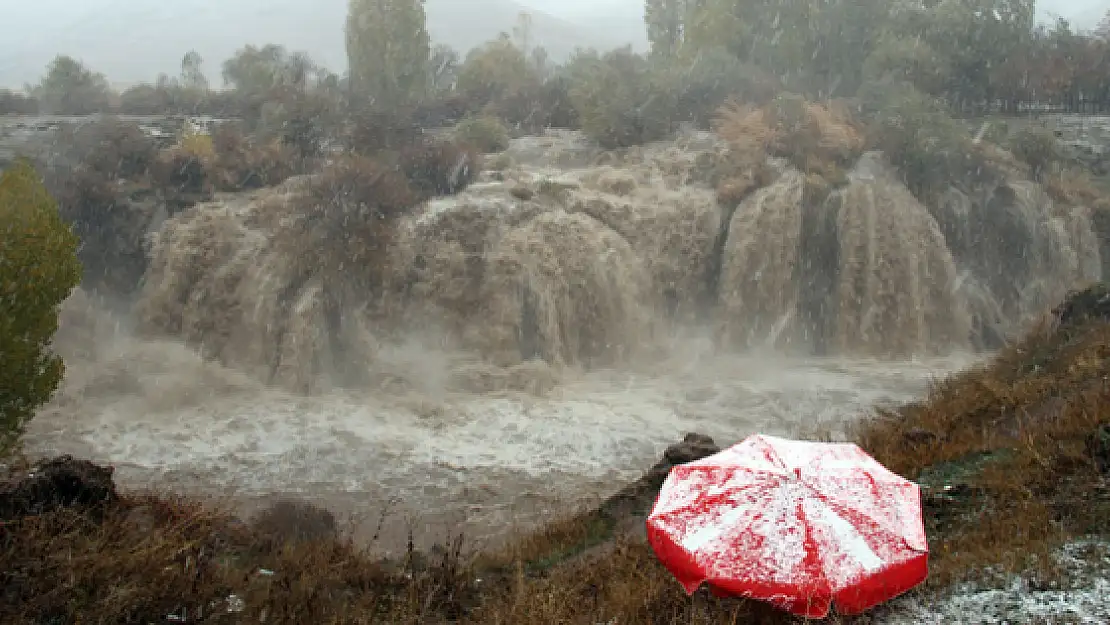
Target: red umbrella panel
798	524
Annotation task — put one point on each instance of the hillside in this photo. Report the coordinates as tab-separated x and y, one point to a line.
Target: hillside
131	41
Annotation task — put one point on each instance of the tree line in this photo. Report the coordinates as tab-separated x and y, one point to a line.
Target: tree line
970	55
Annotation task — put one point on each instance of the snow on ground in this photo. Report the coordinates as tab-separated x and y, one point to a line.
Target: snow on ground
1086	599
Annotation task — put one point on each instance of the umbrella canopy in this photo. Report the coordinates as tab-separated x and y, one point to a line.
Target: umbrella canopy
794	523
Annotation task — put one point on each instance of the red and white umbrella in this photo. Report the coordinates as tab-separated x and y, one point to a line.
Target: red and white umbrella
797	524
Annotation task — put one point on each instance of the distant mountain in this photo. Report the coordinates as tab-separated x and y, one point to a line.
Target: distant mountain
622	20
469	23
1090	17
1083	15
134	40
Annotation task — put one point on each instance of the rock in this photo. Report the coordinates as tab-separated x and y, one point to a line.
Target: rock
295	521
522	192
954	481
143	518
693	447
59	483
919	436
1092	303
636	499
617	183
1098	447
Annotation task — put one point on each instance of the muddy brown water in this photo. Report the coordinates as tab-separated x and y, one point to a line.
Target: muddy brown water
436	459
428	441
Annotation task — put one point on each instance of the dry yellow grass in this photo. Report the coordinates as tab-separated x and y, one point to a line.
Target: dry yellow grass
819	139
746	128
1015	439
1074	186
749	135
1015	442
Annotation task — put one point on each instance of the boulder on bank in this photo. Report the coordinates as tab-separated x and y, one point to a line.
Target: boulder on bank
63	482
1098	448
1090	304
295	521
636	499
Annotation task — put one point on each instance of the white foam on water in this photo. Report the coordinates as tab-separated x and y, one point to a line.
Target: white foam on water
186	417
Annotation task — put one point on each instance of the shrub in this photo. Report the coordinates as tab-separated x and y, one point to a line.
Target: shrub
441	111
1037	148
493	70
370	132
440	167
997	131
347	223
703	83
198	145
99	179
145	99
111	220
617	100
558	107
178	170
483	133
38	270
815	138
743	168
747	130
930	149
109	147
292	521
521	108
907	60
301	121
819	139
241	164
185	167
14	103
1073	186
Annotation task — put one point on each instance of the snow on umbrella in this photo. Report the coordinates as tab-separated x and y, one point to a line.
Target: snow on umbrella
797	524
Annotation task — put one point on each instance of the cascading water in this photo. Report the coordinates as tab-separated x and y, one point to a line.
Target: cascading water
870	270
520	351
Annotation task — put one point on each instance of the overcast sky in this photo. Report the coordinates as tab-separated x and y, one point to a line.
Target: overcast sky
57	9
1068	8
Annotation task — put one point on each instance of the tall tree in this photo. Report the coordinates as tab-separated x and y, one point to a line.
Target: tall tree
258	70
494	69
522	32
845	33
71	88
38	270
978	37
192	77
1102	31
443	69
667	22
388	50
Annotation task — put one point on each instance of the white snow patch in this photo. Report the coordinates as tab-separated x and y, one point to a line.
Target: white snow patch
1087	601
